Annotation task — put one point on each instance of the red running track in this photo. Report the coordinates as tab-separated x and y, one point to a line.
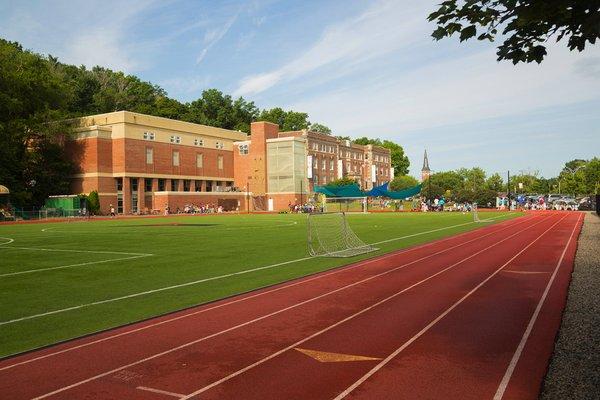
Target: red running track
472	316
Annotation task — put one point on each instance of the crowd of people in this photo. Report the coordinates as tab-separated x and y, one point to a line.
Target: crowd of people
201	209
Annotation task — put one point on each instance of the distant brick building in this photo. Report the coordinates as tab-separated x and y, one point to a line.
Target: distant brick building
141	164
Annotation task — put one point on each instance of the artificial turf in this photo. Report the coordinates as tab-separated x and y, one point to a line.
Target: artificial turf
183	249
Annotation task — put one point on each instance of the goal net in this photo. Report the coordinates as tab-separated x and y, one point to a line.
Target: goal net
329	235
475	213
345	204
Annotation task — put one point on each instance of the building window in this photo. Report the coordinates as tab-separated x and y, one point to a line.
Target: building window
147	185
174	185
119	184
176	139
148	135
220	162
316	180
219	145
176	159
323	164
331	164
199	160
161	185
186	185
149	155
198	142
243	148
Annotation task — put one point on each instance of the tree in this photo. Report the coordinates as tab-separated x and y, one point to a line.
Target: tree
316	127
592	176
93	202
448	180
494	182
527	25
33	95
473	179
399	160
287	120
346	180
403	182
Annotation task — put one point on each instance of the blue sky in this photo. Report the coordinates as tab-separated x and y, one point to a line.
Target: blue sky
364	68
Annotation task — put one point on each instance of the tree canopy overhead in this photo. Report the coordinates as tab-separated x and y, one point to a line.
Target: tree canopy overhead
524	25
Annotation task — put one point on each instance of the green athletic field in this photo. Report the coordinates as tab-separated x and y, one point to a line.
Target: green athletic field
63	280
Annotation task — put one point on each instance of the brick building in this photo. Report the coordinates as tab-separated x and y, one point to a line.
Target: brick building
141	164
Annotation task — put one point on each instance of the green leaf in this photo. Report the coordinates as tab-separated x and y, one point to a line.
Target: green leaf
468	33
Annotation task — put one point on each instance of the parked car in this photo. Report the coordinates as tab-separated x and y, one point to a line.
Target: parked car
570	205
586	204
552	197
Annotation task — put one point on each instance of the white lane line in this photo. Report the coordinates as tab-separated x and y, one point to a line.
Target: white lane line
213	278
301	282
519	350
185	345
30	271
172	394
364	310
527	272
436	320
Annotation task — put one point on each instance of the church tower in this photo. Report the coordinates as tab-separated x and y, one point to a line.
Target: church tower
425	171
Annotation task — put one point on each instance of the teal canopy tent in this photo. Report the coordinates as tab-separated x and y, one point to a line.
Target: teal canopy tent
340	191
403	194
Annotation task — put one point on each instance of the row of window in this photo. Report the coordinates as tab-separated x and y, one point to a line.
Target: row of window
353	155
326	148
175	158
173	187
177	140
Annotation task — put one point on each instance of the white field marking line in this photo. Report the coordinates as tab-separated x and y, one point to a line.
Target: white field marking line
185	345
30	271
517	355
148	389
364	310
300	282
439	317
224	227
77	251
129	296
10	240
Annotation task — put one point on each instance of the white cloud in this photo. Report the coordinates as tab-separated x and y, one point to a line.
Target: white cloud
213	36
383	28
91	33
452	92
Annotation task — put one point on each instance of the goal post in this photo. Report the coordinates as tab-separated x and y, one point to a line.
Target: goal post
329	235
475	213
345	204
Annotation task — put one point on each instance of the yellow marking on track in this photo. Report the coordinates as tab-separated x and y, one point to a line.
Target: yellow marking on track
324	357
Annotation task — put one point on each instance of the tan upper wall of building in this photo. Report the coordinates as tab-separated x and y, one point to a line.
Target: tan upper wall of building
125	124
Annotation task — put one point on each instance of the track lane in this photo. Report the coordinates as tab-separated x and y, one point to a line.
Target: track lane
465	355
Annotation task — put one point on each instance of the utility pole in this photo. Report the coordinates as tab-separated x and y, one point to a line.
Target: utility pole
508	190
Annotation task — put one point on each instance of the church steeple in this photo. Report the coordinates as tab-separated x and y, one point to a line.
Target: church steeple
425	171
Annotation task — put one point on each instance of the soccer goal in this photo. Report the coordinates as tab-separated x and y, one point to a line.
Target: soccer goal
475	213
329	235
345	204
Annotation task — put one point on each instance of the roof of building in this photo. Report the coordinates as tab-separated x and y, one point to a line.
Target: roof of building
160	122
